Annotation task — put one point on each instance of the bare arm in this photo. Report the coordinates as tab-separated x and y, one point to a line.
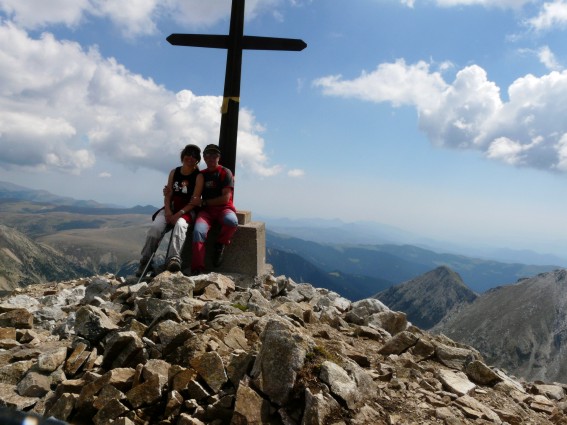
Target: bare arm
199	184
221	200
168	191
196	196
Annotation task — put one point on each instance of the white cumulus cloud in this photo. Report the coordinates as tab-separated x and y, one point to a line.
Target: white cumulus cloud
40	13
61	106
551	15
134	17
468	113
199	13
394	82
548	59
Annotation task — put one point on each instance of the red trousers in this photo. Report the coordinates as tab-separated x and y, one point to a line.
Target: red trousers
208	216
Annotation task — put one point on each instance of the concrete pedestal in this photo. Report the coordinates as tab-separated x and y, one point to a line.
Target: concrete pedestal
246	254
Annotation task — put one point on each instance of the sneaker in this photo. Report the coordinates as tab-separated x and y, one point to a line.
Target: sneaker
219	254
173	265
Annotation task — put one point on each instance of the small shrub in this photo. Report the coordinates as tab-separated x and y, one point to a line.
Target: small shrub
240	306
309	374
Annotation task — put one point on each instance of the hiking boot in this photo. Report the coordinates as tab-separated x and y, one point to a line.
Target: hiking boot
197	272
141	268
174	265
219	254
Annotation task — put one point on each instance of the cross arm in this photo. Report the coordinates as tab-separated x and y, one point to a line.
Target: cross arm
272	43
199	40
248	42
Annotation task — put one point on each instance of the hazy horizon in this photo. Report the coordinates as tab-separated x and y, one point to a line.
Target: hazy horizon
366	232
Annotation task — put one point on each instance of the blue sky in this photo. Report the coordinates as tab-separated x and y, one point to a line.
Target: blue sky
446	118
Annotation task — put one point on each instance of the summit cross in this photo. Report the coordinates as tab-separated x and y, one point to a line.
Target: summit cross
234	43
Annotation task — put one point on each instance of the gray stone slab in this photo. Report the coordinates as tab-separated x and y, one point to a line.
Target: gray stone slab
246	254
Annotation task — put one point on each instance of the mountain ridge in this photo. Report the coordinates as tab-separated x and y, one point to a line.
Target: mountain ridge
428	298
13	191
24	262
350	286
336	231
399	263
520	327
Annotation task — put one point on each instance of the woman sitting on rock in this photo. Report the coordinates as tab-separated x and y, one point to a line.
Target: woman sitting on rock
184	183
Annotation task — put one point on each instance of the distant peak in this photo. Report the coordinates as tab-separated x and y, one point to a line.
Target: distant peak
444	269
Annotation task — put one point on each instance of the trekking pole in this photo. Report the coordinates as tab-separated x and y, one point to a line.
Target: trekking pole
146	268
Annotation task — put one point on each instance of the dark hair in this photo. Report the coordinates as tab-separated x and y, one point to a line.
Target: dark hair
190	149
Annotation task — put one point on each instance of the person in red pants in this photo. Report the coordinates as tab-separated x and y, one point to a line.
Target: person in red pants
216	207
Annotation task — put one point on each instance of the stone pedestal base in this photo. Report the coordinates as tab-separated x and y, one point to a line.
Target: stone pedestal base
246	254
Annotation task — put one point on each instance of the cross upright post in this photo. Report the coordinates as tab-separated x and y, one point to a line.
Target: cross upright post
231	97
234	43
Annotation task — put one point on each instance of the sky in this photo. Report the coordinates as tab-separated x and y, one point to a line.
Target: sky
447	118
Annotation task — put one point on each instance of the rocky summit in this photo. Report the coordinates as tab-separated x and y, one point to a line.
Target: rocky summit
218	349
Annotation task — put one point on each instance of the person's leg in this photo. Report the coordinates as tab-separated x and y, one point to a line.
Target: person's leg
200	232
177	240
154	235
229	224
153	238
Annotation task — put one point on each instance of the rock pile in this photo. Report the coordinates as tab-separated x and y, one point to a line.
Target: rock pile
215	349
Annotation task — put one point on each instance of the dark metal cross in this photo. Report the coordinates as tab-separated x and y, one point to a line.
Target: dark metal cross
235	42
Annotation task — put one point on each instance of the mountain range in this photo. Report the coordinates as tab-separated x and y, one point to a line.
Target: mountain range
105	239
399	263
338	232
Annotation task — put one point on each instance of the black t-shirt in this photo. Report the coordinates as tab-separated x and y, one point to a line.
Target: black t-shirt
183	187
